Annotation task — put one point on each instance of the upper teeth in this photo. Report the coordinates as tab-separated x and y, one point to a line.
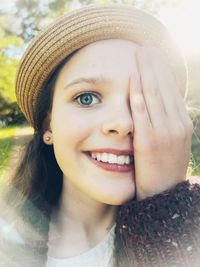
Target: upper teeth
111	158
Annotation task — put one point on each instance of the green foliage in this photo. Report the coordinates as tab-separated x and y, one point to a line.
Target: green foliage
8	68
30	13
8	39
6	142
58	7
194	165
8	64
10	114
196	145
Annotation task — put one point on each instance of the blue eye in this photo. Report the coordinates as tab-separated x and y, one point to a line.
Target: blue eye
87	99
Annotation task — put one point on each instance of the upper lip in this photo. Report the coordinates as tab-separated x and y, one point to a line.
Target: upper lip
114	151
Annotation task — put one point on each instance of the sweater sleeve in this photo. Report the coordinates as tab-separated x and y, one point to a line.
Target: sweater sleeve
163	230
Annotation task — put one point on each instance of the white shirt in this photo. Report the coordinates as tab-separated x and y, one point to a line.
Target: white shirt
98	256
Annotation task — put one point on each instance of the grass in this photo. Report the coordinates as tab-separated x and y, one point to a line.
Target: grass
6	141
196	146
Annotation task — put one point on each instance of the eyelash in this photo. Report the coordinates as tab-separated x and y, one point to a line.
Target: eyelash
86	93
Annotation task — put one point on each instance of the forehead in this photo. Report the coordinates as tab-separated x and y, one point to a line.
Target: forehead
113	57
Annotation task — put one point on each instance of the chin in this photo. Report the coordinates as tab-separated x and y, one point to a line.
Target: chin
117	200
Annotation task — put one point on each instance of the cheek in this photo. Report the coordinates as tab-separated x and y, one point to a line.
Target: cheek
72	126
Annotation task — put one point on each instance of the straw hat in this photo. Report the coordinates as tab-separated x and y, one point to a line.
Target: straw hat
79	28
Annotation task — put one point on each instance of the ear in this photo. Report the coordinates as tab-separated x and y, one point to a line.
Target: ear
47	131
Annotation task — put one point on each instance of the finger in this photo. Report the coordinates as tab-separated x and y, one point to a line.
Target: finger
173	101
140	115
150	89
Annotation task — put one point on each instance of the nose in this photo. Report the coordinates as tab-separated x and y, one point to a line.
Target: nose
118	121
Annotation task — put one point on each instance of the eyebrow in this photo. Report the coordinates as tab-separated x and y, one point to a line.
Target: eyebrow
92	80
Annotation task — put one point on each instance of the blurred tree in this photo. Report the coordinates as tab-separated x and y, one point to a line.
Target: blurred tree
30	13
33	15
10	113
8	63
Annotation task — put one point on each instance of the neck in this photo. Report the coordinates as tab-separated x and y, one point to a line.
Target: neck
77	211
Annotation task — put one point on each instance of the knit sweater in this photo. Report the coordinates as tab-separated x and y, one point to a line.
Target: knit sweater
164	229
159	231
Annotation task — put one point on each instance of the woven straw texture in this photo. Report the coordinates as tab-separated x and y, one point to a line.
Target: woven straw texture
79	28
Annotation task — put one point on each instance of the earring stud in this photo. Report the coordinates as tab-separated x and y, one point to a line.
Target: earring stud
47	138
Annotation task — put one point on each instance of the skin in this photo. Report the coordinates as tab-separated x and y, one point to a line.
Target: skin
150	117
163	128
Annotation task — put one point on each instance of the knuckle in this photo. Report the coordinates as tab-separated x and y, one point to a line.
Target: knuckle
139	104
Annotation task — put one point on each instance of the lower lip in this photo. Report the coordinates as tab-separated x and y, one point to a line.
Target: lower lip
112	167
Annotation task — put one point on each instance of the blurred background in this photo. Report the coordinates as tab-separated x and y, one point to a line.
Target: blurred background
20	21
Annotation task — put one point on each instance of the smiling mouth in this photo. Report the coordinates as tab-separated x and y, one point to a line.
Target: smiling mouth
111	162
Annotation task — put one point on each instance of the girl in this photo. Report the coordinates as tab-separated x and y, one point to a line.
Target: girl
103	182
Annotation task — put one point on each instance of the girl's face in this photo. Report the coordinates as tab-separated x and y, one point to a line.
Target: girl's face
94	113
